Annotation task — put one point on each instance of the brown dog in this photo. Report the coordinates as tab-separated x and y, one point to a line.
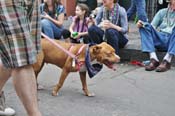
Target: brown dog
102	53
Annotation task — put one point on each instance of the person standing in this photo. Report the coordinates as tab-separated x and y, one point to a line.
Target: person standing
111	25
19	45
138	7
159	35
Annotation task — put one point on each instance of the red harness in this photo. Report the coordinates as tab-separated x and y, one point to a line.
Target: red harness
77	63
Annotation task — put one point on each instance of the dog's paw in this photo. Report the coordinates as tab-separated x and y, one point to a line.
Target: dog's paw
54	93
90	94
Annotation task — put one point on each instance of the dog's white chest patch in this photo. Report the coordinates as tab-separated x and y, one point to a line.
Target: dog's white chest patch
83	67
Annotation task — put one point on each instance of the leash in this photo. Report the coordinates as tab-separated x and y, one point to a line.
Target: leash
75	60
58	46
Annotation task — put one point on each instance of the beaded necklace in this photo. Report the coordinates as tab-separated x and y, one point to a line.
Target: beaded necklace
170	23
112	15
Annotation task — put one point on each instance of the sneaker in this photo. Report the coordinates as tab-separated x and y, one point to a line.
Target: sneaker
5	111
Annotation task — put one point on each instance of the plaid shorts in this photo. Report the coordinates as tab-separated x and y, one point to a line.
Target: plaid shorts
20	32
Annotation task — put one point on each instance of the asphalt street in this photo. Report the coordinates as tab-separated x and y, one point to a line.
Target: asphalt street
129	91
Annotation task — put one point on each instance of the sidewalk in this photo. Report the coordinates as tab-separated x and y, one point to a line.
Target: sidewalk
132	50
129	91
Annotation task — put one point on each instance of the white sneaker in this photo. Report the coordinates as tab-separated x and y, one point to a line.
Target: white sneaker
7	112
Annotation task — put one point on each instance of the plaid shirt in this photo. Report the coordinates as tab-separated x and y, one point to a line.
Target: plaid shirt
19	32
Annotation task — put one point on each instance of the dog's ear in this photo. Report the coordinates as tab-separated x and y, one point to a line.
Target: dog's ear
96	49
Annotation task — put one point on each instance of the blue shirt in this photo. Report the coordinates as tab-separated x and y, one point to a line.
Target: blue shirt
164	20
58	10
122	21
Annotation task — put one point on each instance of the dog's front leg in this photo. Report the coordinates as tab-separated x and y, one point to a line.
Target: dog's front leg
84	84
57	87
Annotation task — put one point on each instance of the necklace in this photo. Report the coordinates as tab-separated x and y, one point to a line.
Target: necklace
113	13
170	20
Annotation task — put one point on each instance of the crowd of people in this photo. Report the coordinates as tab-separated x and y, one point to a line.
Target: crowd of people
21	33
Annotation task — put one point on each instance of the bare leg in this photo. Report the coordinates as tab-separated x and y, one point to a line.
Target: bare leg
25	84
4	76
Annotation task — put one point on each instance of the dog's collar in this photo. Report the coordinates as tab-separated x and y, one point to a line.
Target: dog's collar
92	69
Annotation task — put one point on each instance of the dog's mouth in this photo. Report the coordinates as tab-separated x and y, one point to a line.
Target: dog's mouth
111	65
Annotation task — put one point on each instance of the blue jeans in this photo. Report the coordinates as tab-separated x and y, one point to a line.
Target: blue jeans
152	39
114	38
50	29
137	6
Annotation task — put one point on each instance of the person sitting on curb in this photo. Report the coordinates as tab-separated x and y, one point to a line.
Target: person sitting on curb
111	25
78	30
160	35
52	18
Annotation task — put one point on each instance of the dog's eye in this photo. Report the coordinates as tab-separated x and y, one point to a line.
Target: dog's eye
109	54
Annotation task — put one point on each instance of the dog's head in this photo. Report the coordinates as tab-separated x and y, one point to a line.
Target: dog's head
105	54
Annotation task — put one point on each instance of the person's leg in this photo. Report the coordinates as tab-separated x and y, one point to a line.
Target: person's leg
141	10
57	30
171	43
115	39
25	85
132	10
46	28
96	34
87	39
166	62
50	29
66	35
25	43
150	40
171	47
4	76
